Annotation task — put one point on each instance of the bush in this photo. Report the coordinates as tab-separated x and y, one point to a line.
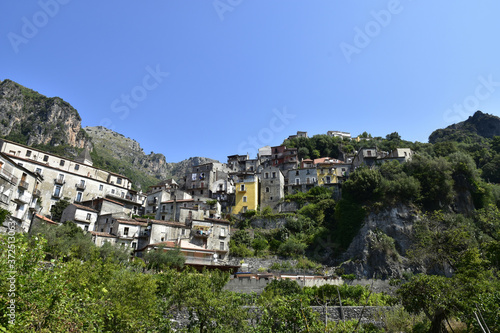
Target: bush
292	247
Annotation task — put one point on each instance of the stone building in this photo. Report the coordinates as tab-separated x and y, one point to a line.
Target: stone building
272	188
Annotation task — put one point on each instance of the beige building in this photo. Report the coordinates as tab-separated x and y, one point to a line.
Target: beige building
62	178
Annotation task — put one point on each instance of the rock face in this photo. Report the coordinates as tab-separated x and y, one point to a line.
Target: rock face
480	124
33	119
380	247
109	143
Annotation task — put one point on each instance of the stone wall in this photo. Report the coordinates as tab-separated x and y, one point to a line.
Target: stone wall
368	314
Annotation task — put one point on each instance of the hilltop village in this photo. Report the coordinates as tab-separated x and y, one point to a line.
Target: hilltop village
192	216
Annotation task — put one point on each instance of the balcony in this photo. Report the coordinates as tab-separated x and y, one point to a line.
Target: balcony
24	184
200	233
59	180
129	235
34	205
22	198
8	176
4	199
19	214
57	194
37	193
152	202
199	260
80	186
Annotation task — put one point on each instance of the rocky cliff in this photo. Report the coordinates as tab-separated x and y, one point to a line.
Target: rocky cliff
379	249
113	146
476	126
33	119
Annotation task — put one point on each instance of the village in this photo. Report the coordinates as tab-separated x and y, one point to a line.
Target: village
192	217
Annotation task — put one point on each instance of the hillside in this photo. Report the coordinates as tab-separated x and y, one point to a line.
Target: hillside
30	118
120	154
480	125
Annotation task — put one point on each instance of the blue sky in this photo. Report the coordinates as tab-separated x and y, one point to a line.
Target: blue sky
216	78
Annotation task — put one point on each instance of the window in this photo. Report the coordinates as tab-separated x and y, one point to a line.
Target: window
274	173
369	153
223	232
78	196
46	158
244	209
125	231
118	181
57	191
37	170
162	239
267	189
77	166
134	245
88	216
101	187
201	192
28	153
113	191
86	228
266	175
242	187
297	173
61	163
110	230
271	198
244	199
20	164
221	246
297	181
328	180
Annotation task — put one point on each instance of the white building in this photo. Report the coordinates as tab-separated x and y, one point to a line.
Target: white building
74	180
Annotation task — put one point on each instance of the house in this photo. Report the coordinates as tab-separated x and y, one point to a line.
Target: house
402	155
106	206
302	180
100	238
237	163
127	231
223	191
84	217
19	194
339	134
299	134
205	243
365	156
284	158
77	180
326	174
199	178
272	189
247	192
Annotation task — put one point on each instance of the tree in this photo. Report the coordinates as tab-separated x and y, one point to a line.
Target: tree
363	185
162	258
57	209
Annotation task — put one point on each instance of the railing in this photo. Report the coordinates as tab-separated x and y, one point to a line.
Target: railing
200	233
59	180
198	261
24	184
81	186
22	198
8	176
152	202
37	193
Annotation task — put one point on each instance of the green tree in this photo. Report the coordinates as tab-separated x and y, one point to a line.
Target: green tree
162	258
57	209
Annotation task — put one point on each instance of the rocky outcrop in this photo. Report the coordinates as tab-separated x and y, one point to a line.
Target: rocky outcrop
479	125
379	249
111	144
30	118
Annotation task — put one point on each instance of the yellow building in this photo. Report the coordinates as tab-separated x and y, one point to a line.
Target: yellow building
247	193
327	174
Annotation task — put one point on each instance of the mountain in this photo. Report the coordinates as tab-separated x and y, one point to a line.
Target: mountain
52	124
32	119
114	151
480	125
